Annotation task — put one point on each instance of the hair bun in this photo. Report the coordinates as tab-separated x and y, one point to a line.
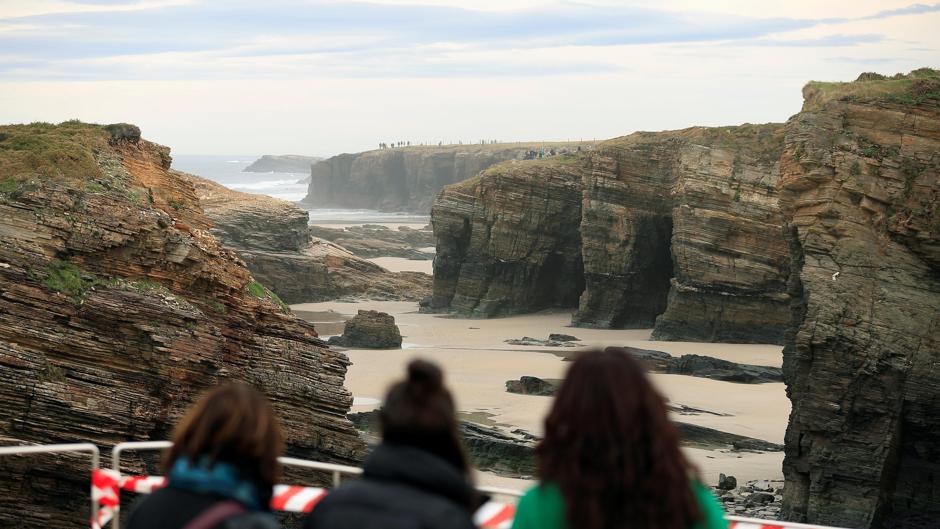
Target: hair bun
425	374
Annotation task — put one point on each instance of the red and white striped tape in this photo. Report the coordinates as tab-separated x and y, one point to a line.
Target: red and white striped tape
106	485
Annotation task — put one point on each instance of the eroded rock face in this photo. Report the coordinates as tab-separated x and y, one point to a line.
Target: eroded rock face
378	240
282	163
370	329
406	179
859	179
273	238
117	309
680	230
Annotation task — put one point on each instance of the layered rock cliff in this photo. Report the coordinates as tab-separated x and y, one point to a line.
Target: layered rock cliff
680	230
282	163
273	238
408	178
117	309
860	179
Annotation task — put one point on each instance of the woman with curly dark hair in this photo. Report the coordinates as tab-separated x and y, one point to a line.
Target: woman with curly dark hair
610	457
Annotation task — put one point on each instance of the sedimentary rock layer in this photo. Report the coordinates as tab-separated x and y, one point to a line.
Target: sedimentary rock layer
273	238
117	309
678	229
859	181
408	178
283	163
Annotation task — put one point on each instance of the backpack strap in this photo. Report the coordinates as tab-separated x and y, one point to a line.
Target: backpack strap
215	514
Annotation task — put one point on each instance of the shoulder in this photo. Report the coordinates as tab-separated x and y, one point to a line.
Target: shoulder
542	494
252	520
541	507
713	515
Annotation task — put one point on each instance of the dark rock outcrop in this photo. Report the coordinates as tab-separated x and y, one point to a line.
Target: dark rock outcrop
528	385
369	329
273	239
117	309
285	163
680	230
526	340
715	368
860	184
373	240
406	179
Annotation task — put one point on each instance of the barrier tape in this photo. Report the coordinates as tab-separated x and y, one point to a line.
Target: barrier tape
107	484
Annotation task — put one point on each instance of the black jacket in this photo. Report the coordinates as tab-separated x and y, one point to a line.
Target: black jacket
401	488
171	508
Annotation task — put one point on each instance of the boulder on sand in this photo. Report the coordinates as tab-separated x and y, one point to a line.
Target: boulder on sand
531	386
370	329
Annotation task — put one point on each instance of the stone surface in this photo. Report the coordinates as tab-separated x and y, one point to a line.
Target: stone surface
273	239
406	179
680	230
369	329
727	482
718	369
526	340
562	338
118	308
284	163
376	240
860	186
528	385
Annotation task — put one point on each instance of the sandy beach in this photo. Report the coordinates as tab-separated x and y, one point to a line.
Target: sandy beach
478	363
401	264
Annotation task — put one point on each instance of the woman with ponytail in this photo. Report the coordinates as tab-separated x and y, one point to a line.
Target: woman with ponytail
419	476
610	457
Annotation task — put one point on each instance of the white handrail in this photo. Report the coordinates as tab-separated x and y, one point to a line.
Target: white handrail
60	448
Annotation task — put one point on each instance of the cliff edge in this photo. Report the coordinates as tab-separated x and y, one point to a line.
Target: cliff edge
118	308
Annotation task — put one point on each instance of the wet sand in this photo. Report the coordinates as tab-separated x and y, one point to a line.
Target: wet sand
400	264
478	363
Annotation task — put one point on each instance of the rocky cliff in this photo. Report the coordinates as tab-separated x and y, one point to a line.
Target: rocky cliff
859	179
273	238
408	178
680	230
284	163
117	309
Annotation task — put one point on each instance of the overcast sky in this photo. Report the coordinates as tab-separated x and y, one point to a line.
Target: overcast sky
320	78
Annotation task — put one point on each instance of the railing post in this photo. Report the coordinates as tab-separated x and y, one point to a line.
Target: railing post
61	448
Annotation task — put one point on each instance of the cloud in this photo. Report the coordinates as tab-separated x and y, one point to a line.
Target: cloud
154	39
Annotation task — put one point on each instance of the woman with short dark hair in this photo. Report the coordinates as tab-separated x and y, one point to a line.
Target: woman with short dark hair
610	458
419	476
222	467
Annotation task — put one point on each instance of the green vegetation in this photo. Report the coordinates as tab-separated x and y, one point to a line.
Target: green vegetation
59	151
917	87
94	187
216	306
260	291
910	170
68	279
9	185
51	373
855	169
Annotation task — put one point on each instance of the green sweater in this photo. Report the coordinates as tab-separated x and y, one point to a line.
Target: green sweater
542	507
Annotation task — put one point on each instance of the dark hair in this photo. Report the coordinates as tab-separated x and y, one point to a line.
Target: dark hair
613	452
234	423
419	411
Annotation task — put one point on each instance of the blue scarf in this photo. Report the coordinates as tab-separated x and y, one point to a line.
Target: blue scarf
218	478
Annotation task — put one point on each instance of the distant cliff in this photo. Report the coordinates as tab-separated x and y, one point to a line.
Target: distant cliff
118	308
680	230
272	236
408	178
286	163
822	233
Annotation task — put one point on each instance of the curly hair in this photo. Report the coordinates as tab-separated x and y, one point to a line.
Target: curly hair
613	452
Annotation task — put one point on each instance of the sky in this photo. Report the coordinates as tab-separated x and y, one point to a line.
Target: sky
324	77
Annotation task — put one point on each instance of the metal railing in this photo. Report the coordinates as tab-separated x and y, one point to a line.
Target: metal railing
60	449
337	472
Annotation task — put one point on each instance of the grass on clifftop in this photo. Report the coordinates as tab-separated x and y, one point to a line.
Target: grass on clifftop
919	86
58	151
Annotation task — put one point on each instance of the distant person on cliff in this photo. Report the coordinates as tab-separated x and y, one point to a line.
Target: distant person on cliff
610	457
419	476
222	466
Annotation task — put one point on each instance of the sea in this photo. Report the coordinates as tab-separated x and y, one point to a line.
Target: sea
228	170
